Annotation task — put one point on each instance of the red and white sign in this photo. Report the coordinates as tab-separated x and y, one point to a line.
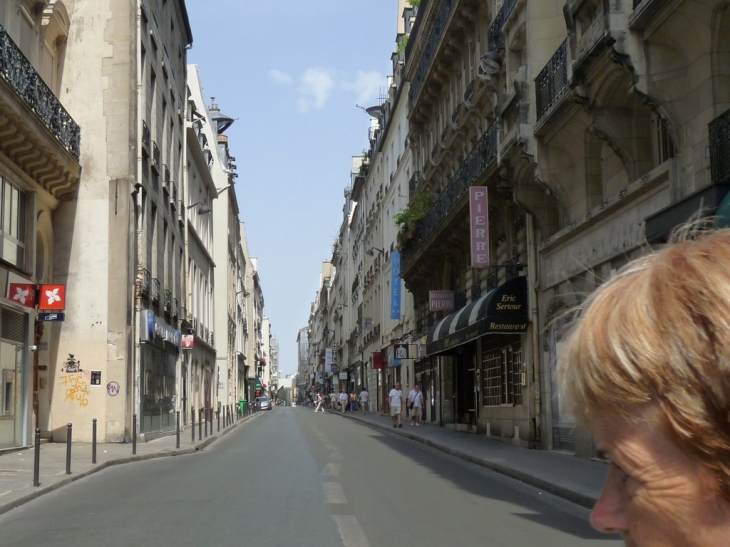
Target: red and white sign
440	300
52	298
187	341
377	359
479	224
22	293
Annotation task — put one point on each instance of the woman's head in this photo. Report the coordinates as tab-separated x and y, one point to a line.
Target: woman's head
657	337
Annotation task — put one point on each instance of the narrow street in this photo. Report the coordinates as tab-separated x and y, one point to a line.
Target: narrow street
293	477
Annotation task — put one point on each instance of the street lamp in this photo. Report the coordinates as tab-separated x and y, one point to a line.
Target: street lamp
369	252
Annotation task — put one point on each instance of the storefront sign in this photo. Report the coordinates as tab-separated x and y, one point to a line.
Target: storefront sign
479	224
395	286
155	329
401	351
52	298
440	300
343	376
22	293
188	341
377	359
48	316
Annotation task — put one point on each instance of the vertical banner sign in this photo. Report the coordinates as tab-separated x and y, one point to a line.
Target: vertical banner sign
479	224
328	360
395	286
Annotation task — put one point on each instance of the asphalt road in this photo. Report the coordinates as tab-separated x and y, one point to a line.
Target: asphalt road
295	478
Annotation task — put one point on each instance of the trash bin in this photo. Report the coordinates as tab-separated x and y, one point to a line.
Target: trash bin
242	406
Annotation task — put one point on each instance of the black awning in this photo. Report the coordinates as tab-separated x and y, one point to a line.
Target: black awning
502	310
704	202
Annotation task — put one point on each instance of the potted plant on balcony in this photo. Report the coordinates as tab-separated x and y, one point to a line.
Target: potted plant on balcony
407	220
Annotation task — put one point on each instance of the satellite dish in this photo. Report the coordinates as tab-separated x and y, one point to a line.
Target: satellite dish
374	111
490	63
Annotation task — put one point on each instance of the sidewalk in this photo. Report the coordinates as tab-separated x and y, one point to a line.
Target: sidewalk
574	479
16	467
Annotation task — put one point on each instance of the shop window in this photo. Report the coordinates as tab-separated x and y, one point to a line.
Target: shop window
503	376
12	222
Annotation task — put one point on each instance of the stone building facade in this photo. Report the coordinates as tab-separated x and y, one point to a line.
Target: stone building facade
40	155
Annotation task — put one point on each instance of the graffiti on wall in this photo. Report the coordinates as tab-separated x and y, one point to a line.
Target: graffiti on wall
77	387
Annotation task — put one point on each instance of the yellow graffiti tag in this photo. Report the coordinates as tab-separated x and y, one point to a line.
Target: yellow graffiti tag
77	389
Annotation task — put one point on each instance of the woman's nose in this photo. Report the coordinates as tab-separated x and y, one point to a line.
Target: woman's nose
608	515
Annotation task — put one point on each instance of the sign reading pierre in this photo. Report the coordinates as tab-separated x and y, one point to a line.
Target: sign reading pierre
440	300
479	225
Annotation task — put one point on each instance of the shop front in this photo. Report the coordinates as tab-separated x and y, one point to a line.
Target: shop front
159	352
475	355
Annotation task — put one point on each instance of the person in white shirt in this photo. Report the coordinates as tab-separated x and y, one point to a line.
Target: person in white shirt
343	400
415	404
364	397
395	398
320	400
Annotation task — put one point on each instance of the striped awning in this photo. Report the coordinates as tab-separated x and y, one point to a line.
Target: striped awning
502	310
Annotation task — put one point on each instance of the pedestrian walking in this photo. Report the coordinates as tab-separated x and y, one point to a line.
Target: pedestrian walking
320	402
343	401
364	398
415	404
395	398
353	401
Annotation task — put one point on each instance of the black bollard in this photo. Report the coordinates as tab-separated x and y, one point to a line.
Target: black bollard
134	434
177	429
93	440
192	417
200	424
68	449
37	458
218	414
205	414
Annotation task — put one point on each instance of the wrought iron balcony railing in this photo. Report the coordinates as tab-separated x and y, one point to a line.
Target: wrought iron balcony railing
167	299
430	50
719	130
155	289
22	77
155	157
146	280
478	160
146	138
175	307
495	37
552	80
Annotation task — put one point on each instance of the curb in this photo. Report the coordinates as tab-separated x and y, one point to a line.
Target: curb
121	461
579	498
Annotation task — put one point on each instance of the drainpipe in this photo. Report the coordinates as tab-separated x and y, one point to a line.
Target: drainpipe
532	285
137	197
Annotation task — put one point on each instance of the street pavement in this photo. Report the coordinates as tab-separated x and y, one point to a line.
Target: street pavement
576	480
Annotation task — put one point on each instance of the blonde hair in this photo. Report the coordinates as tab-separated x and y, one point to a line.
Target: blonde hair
658	334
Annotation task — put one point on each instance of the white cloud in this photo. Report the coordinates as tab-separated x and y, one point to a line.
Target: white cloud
317	84
367	85
280	77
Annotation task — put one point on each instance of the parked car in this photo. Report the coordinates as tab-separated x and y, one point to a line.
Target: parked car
263	403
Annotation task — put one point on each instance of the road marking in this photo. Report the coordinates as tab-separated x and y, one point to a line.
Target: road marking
331	470
333	492
350	531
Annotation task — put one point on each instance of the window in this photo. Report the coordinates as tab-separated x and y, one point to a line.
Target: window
13	224
503	375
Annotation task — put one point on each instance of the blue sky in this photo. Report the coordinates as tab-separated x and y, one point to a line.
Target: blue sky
290	72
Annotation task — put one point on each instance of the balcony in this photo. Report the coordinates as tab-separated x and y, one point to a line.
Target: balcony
719	130
175	307
495	36
552	81
22	77
144	286
146	139
155	158
644	11
476	163
167	300
155	292
430	51
166	178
